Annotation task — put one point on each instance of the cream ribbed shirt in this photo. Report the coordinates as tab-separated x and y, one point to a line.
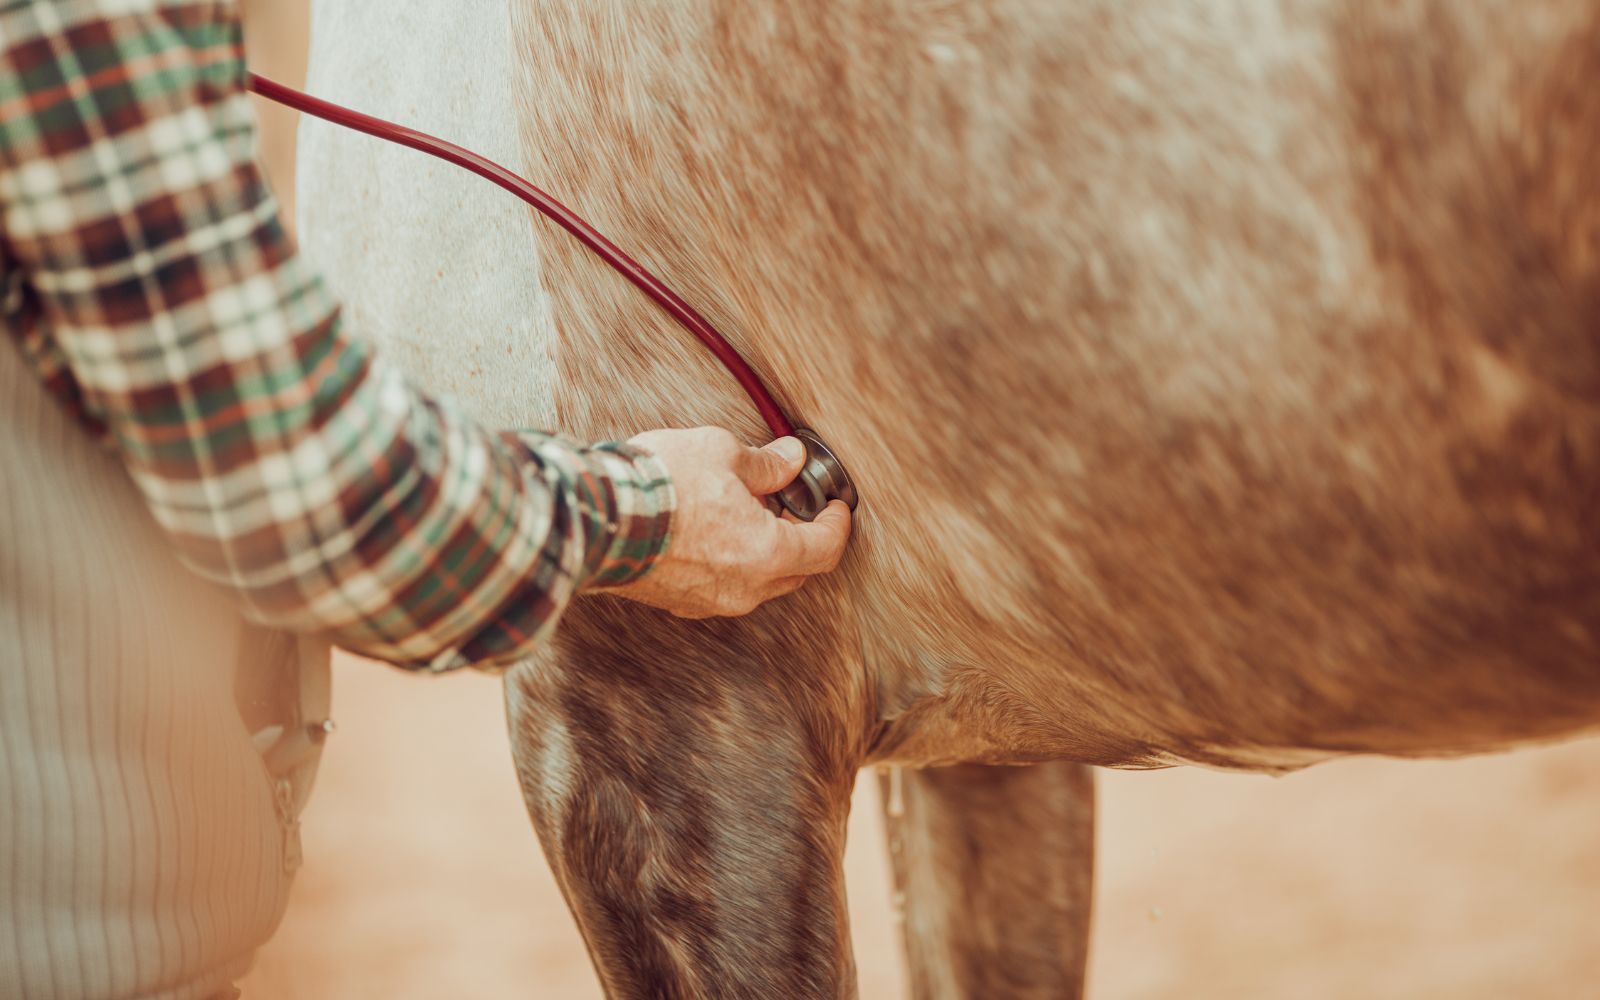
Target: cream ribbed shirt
145	850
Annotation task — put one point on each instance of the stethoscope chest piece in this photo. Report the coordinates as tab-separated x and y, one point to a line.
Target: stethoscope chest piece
821	479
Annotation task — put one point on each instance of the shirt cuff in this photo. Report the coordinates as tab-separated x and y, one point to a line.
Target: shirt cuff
640	501
624	499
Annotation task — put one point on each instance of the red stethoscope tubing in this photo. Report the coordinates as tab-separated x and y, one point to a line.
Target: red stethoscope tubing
556	212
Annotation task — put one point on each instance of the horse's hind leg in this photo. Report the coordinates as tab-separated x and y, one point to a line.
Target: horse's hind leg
691	798
996	867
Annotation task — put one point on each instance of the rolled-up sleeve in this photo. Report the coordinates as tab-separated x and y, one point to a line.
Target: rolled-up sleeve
148	280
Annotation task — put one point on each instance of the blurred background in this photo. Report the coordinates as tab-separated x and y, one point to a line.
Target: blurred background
1466	879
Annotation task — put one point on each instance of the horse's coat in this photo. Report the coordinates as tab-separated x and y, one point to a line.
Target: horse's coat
1221	381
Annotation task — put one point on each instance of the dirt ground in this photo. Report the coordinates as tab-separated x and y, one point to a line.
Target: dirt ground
1369	878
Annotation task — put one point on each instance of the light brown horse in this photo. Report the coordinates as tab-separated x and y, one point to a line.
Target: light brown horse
1221	379
1222	382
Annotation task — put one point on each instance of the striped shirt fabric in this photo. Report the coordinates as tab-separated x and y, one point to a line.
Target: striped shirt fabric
147	280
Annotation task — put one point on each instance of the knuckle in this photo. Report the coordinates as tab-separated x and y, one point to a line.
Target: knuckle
734	605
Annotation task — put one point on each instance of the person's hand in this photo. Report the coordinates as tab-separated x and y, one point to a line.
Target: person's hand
729	552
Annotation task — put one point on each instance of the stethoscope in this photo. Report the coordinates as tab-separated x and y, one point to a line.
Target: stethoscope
821	479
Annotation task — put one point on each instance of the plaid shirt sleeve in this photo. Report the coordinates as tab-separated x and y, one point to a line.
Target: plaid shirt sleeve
145	276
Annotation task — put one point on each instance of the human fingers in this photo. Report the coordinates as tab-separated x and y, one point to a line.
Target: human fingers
806	549
769	469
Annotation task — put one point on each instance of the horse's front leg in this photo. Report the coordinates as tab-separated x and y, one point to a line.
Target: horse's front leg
690	784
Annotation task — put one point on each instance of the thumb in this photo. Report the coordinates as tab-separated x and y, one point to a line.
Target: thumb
769	469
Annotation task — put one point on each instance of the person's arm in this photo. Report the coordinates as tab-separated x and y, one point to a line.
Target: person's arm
150	275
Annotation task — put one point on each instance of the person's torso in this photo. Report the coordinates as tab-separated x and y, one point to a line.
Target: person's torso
145	848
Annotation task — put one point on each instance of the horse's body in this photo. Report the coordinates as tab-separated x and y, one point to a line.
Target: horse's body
1222	383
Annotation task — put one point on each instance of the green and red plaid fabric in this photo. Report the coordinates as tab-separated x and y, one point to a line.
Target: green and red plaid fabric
146	277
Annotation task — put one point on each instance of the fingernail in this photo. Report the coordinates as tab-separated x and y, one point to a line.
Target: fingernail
790	449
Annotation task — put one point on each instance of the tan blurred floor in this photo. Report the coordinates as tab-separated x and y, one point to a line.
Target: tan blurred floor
1364	878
